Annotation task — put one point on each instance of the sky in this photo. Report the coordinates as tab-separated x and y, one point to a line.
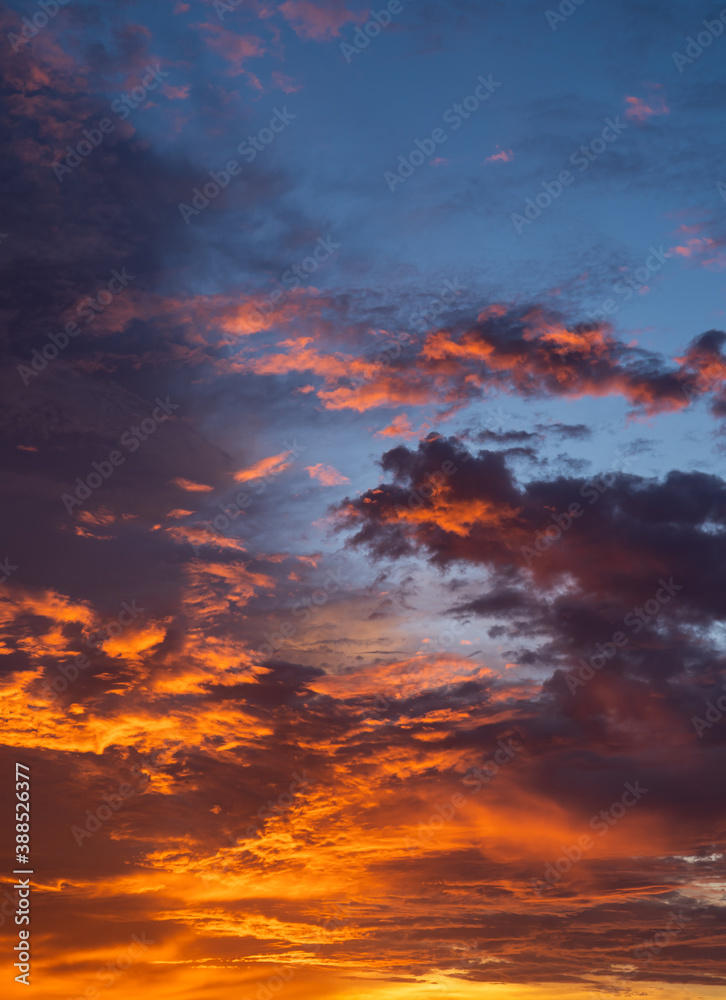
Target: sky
363	609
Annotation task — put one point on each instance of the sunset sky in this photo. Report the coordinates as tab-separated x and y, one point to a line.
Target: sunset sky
364	587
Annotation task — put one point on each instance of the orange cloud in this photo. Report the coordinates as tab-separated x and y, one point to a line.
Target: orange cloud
272	465
100	516
402	678
400	426
129	644
190	487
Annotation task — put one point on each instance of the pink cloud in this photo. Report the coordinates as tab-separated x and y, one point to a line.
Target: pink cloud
285	83
176	93
690	230
236	49
503	156
326	474
705	252
310	20
640	110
